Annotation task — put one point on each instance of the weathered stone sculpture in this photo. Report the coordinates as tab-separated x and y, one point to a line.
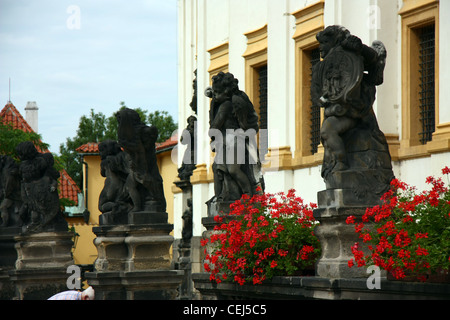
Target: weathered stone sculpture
356	154
10	222
132	240
144	183
40	210
193	103
186	232
114	198
10	198
233	130
188	165
188	138
186	254
35	226
357	165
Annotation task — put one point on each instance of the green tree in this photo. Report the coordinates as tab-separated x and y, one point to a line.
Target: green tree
164	122
91	128
111	123
10	138
96	127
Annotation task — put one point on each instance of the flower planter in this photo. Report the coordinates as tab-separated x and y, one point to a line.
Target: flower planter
441	276
262	237
318	288
409	233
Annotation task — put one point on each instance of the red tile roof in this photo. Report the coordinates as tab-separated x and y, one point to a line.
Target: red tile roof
169	143
92	147
11	115
67	187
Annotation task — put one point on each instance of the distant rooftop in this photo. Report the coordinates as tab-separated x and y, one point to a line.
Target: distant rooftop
67	187
92	147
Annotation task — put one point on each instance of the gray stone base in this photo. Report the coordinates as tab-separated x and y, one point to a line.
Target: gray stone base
363	185
134	263
7	290
136	285
34	265
335	235
287	288
135	217
38	284
218	208
145	217
45	250
133	247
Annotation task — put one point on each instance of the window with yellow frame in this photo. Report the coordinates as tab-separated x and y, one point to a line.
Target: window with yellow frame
256	79
420	78
309	21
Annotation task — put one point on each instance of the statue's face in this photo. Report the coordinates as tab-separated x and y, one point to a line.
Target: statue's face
325	45
219	93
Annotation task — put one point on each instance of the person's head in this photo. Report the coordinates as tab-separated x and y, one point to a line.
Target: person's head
88	294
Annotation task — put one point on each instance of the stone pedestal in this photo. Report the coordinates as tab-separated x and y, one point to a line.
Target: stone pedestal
44	250
134	262
8	257
209	223
41	265
218	208
362	186
335	235
133	247
135	285
8	251
184	263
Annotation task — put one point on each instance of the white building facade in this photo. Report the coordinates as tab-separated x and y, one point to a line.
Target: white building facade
270	46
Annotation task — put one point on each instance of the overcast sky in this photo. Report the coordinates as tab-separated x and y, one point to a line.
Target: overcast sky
71	56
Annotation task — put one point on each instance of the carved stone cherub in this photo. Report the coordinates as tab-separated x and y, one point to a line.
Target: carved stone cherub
40	209
188	138
344	84
144	183
233	129
10	198
114	167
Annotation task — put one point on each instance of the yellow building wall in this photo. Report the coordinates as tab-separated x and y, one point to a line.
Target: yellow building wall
169	173
85	251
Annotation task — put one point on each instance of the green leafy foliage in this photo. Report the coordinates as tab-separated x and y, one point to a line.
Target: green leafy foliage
96	127
10	138
409	234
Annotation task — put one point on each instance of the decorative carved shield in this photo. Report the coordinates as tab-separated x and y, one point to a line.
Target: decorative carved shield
342	73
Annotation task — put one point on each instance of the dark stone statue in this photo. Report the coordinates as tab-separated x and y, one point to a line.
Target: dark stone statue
10	198
188	138
186	233
114	197
193	103
356	154
233	130
144	182
40	209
